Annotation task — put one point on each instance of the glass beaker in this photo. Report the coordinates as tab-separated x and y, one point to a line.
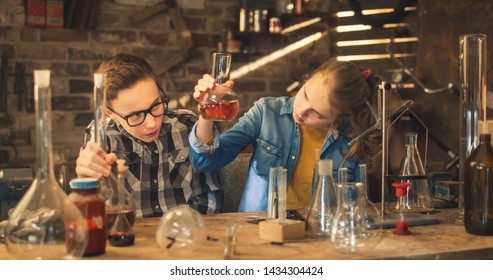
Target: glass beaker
322	204
121	233
418	198
220	103
108	186
349	231
45	224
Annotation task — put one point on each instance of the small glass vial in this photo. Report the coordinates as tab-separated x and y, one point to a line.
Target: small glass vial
86	196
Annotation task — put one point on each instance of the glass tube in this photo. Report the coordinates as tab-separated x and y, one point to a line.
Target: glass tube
108	186
472	69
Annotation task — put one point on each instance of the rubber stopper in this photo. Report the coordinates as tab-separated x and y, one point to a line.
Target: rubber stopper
401	188
401	228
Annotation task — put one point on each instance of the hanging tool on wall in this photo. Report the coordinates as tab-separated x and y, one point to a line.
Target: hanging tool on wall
20	86
3	82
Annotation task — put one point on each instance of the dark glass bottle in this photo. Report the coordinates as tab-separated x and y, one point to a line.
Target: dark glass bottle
478	189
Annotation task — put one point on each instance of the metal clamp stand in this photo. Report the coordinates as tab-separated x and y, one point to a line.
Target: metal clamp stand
381	123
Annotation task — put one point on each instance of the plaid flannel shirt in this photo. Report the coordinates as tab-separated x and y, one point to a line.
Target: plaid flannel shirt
159	174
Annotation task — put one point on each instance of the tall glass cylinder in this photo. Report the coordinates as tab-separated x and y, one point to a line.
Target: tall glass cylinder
472	68
45	224
108	186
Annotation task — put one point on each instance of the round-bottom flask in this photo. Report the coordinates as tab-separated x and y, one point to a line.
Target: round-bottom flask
113	206
45	224
220	103
180	230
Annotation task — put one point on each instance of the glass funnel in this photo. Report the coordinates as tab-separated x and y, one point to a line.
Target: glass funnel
108	186
322	204
45	224
220	103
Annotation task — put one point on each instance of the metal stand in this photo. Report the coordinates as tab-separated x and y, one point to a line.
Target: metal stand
381	123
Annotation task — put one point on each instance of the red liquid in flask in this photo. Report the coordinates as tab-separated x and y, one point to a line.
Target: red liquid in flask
111	217
121	238
222	111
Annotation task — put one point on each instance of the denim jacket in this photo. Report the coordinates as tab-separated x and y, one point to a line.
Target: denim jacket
269	126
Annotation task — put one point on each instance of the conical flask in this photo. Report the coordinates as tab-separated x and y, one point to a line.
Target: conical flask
478	189
349	231
221	103
121	233
322	204
108	185
418	197
45	224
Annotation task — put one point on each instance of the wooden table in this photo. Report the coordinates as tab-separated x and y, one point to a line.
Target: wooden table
440	241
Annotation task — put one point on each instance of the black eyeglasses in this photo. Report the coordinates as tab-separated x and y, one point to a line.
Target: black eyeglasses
157	109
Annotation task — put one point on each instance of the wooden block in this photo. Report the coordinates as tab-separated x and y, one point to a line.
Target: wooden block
273	231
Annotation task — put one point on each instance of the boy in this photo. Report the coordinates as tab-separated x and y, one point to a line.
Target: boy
153	141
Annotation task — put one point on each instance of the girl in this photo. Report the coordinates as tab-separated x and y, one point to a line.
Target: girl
331	108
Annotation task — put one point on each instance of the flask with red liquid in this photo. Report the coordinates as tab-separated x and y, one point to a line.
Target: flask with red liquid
91	203
121	233
108	185
221	103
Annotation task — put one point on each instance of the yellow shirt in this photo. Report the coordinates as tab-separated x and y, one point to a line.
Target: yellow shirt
299	189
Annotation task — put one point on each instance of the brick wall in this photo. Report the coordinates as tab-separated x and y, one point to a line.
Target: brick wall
72	55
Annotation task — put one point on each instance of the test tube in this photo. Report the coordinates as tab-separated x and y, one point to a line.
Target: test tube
342	176
272	199
281	189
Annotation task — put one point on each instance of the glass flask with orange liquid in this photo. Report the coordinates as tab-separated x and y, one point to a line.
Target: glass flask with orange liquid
221	103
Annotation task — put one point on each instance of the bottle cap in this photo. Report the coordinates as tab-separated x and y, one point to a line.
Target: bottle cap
325	167
84	183
485	137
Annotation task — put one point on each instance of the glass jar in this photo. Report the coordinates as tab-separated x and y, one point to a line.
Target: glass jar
478	189
91	203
